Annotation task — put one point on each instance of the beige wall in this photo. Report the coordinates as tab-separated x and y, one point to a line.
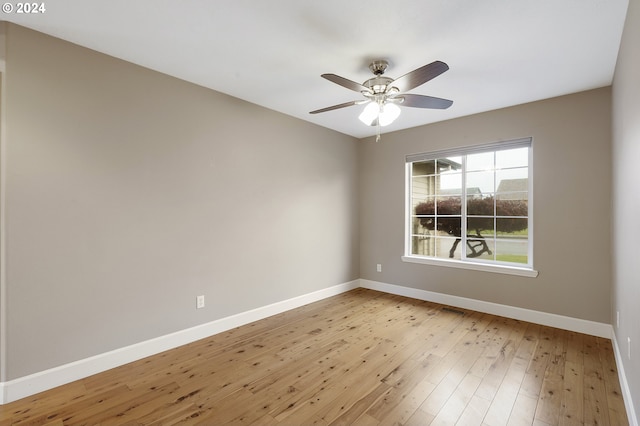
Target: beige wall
626	199
129	193
571	191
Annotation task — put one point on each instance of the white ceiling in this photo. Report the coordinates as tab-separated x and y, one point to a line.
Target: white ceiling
271	53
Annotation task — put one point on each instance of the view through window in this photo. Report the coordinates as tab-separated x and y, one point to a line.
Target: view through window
471	204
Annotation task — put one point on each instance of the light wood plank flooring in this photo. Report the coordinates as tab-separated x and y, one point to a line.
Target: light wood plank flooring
362	357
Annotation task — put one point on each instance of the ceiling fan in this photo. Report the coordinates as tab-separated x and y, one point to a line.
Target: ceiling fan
383	94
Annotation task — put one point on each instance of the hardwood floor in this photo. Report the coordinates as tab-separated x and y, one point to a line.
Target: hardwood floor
361	357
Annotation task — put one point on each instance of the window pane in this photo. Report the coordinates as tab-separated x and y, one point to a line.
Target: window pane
423	225
422	206
512	180
450	184
449	205
480	206
516	173
518	157
448	226
512	250
481	161
480	226
444	246
422	245
424	185
423	168
432	225
480	248
512	227
449	164
480	182
512	207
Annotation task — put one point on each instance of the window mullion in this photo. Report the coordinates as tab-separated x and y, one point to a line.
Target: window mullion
530	207
408	204
495	205
463	211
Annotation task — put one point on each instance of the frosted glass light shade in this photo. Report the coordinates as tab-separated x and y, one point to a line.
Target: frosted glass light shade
388	113
385	113
370	113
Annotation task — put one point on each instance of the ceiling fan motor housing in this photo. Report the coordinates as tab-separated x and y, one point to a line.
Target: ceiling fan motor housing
378	84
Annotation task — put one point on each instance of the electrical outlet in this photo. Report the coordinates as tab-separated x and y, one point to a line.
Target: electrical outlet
379	267
629	347
199	302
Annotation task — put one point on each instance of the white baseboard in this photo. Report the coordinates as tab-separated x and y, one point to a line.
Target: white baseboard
624	385
543	318
22	387
38	382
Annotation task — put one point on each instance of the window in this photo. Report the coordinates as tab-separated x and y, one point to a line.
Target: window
471	206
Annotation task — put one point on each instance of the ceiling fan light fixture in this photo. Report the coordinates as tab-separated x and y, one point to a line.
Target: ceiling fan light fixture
383	114
370	113
388	113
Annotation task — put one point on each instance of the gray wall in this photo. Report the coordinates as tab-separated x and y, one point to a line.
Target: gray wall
571	191
129	193
626	199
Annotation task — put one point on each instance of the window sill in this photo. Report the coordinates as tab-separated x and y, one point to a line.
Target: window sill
498	269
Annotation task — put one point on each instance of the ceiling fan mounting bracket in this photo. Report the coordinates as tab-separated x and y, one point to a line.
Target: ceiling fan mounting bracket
379	66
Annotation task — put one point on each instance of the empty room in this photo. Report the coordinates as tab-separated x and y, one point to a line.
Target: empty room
320	213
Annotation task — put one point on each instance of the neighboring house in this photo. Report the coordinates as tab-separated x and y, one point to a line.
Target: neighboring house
513	189
473	191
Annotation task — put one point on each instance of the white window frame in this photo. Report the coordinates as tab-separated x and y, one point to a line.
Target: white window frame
468	263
